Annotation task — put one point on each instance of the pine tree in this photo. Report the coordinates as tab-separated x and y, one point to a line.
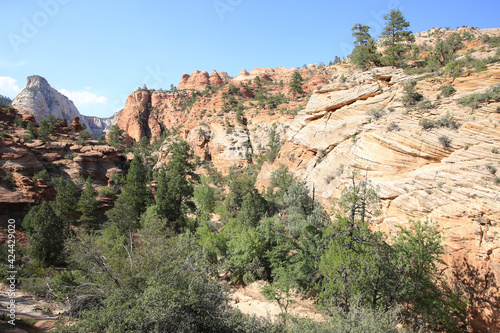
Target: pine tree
175	185
134	199
296	84
365	50
397	38
46	234
88	205
115	137
66	200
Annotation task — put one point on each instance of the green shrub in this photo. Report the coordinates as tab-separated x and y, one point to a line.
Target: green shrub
70	156
9	178
427	123
43	174
491	169
411	96
425	105
448	121
393	127
447	90
376	114
101	140
445	141
495	150
5	135
474	100
107	192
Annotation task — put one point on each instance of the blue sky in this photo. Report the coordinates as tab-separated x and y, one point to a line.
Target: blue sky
98	52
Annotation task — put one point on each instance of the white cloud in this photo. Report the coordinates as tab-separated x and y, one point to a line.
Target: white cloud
83	97
9	87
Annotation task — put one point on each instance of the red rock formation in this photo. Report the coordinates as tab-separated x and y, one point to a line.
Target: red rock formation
29	117
198	81
215	79
75	125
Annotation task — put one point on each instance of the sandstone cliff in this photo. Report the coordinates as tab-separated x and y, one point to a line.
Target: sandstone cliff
21	158
41	100
361	124
356	120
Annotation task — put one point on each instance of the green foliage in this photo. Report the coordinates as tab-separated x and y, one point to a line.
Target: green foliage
70	156
133	200
301	210
447	90
396	38
445	121
176	186
88	205
115	137
446	50
9	178
163	285
83	136
393	127
411	96
46	234
281	288
474	100
107	192
365	51
253	207
47	126
101	140
445	141
273	145
4	100
42	174
296	84
66	199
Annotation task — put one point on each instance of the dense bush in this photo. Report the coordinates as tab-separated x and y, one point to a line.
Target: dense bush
474	100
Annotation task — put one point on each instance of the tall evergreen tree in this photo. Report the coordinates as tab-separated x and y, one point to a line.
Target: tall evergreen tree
296	84
397	38
46	234
66	199
175	185
365	50
133	200
88	205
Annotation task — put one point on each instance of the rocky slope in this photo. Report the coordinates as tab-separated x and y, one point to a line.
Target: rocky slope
41	100
356	120
22	159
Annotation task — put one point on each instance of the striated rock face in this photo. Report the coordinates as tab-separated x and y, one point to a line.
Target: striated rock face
362	124
60	157
41	100
100	126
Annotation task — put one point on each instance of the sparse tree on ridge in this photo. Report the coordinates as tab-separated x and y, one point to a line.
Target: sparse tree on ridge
397	38
296	84
365	50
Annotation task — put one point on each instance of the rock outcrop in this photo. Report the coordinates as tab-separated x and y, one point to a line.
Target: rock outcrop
100	126
366	127
41	100
199	80
22	159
